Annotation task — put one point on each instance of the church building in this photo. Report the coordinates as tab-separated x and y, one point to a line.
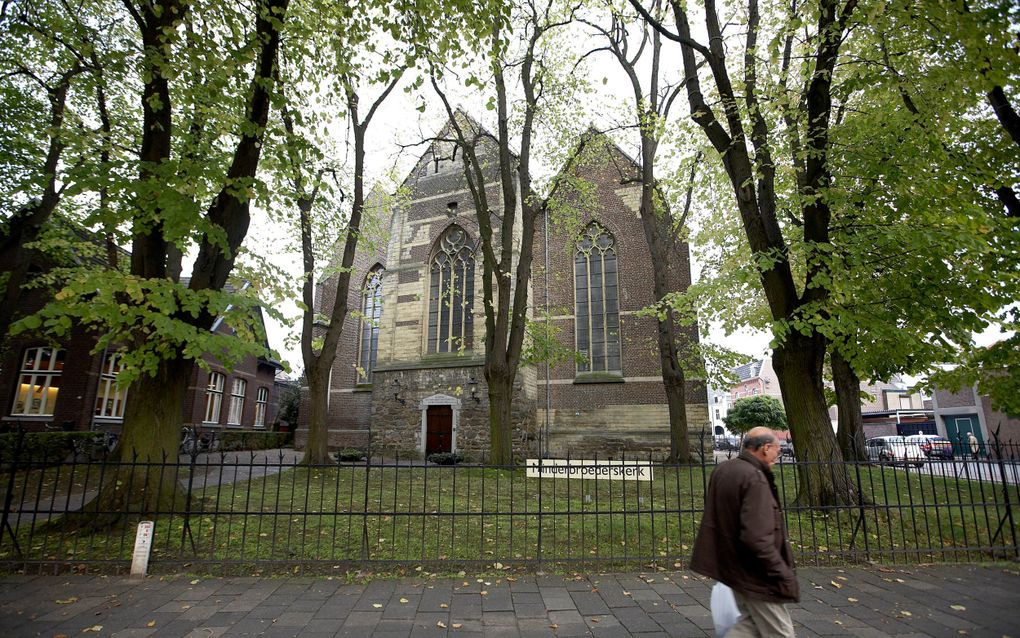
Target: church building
408	377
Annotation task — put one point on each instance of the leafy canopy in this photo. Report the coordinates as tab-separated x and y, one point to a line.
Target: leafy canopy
757	411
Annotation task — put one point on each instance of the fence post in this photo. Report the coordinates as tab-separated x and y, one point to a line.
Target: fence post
364	511
1008	516
9	495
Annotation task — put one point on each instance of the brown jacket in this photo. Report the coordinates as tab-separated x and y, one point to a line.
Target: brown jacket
742	540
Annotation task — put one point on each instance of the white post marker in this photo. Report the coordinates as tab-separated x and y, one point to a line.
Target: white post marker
143	546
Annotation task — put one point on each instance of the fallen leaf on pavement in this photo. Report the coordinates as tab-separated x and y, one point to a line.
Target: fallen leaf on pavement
958	607
403	601
95	628
835	584
443	606
440	624
151	623
457	625
195	582
67	601
377	605
853	600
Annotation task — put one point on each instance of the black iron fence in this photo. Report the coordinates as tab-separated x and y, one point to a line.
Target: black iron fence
265	511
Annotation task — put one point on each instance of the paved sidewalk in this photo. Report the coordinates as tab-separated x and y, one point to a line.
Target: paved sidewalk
952	600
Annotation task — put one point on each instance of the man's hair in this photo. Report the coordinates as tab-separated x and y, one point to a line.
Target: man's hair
756	442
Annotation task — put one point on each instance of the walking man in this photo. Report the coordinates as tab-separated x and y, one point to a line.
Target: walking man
742	541
974	447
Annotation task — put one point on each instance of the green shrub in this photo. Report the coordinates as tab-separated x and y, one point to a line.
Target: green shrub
41	447
445	458
229	441
349	455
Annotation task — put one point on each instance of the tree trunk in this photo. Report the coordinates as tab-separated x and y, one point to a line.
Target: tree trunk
501	394
317	449
823	479
850	431
146	479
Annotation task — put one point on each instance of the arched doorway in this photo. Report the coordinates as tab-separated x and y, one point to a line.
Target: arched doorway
440	417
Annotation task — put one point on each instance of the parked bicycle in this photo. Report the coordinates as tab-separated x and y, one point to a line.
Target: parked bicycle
195	442
97	447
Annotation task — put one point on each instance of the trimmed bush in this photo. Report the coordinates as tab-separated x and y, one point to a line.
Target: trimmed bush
350	455
41	447
445	458
230	441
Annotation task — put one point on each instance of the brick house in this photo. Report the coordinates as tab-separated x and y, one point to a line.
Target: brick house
965	410
66	386
408	375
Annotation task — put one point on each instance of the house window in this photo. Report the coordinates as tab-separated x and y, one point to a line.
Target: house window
236	402
109	398
39	382
261	402
905	402
371	311
596	301
213	398
451	293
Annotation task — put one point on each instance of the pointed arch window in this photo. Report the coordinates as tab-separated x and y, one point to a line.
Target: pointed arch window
371	311
596	300
451	293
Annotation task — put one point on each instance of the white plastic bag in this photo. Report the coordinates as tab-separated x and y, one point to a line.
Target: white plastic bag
724	609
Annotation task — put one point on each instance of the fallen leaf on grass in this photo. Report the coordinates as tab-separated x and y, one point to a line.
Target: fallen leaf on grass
67	601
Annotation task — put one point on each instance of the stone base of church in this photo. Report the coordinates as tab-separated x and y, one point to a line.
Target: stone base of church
615	430
403	398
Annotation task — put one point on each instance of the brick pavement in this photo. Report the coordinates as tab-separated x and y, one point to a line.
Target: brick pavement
949	600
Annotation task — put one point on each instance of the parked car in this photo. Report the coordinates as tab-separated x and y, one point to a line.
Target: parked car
894	449
932	446
727	443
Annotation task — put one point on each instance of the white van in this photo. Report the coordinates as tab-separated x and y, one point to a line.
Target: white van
894	449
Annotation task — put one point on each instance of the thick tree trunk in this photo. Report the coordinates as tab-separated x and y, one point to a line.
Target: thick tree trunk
145	481
850	431
500	403
823	479
317	449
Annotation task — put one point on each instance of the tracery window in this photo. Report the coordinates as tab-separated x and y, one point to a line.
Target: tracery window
596	300
451	293
371	311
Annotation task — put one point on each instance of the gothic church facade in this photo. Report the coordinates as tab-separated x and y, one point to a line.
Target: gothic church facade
408	378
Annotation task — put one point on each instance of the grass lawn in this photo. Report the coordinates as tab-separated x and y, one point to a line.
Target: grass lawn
435	515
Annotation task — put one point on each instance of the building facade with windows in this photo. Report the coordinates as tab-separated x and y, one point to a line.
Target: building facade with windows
408	377
66	386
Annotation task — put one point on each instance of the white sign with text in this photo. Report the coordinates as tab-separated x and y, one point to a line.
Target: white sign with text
143	546
578	469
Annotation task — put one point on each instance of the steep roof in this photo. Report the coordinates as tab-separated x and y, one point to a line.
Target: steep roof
749	370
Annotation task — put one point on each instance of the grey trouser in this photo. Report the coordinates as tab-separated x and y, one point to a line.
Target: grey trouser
760	619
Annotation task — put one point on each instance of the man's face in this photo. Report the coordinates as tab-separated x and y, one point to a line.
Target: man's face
770	452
